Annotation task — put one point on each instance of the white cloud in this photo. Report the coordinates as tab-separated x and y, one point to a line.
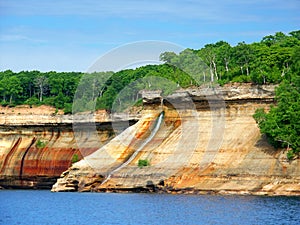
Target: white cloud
16	38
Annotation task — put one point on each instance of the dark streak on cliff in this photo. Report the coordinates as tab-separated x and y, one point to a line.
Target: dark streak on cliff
24	155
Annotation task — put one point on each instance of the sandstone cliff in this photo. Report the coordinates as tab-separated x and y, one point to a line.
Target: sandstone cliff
207	142
37	144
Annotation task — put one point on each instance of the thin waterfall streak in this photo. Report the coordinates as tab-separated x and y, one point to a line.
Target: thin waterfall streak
132	157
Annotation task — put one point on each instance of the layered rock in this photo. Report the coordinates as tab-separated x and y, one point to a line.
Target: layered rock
208	142
38	144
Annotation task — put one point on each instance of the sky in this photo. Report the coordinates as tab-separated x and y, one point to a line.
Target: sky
70	35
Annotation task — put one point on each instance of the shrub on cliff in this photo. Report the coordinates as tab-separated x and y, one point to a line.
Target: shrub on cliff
40	144
75	158
143	162
281	124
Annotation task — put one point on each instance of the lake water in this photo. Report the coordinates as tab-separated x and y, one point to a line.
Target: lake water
44	207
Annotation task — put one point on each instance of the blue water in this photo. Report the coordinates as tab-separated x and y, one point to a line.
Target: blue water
44	207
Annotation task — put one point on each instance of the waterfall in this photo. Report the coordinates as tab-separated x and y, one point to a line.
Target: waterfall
148	139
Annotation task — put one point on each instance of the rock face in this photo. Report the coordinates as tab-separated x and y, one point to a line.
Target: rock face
207	142
37	146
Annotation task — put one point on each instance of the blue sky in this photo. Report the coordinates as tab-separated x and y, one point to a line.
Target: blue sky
69	35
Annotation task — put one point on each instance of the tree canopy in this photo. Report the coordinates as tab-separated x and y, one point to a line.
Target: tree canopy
264	62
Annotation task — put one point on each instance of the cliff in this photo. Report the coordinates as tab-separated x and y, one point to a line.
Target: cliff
37	144
205	141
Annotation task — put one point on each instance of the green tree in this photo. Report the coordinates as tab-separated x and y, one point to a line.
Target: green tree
281	124
13	87
244	56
